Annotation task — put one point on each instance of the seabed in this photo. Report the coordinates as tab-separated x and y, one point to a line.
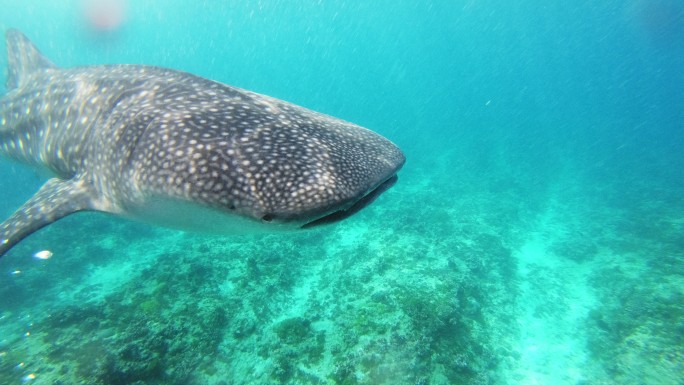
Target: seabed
490	281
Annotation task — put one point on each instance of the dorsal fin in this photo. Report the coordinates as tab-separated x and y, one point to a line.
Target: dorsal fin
23	58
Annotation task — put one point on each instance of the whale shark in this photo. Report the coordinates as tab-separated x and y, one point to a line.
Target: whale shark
177	150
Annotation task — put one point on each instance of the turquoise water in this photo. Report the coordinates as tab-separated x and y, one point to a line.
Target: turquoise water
535	236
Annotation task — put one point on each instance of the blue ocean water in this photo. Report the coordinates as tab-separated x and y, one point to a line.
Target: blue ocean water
535	236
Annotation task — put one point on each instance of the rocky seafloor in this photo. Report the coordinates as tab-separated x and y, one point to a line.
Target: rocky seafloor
488	282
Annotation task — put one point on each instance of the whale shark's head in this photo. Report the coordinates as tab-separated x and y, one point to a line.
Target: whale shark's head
266	160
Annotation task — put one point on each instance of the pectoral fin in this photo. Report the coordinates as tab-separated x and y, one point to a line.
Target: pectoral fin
55	200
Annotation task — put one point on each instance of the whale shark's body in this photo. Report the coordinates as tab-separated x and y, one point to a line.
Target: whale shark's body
178	150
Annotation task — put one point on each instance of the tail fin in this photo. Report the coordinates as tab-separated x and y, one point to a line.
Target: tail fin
23	58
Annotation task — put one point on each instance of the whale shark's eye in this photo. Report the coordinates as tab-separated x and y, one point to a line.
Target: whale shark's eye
268	217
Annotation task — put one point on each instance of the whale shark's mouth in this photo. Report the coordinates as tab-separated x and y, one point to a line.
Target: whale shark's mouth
367	199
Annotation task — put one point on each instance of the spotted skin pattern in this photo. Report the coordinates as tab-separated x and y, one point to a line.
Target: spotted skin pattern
175	149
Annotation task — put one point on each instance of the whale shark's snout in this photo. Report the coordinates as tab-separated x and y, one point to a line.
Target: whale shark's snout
357	171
